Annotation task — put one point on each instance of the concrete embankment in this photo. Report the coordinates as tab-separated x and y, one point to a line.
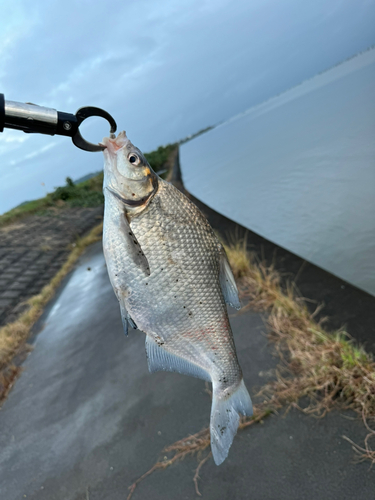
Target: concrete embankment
33	249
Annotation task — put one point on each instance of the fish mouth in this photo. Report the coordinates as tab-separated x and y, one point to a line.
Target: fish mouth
132	203
113	143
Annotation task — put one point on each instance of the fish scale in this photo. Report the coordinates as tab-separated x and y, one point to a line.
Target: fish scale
172	278
197	281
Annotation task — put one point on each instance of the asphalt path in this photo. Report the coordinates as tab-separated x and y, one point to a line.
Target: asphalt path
86	418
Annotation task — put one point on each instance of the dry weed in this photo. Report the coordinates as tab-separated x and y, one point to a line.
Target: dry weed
328	368
366	452
196	444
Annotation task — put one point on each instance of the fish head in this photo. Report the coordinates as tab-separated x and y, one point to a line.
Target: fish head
127	173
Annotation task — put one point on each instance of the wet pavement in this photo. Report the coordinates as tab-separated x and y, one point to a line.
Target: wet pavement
86	418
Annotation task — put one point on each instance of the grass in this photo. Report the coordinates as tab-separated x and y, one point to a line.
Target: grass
158	159
325	369
328	367
84	194
29	208
13	336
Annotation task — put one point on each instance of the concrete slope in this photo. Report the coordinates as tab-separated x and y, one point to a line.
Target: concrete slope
86	418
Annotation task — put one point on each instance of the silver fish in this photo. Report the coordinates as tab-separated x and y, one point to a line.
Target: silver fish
172	279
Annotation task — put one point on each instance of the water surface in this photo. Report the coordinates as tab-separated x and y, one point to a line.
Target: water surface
299	170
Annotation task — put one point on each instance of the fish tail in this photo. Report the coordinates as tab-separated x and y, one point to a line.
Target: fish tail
225	418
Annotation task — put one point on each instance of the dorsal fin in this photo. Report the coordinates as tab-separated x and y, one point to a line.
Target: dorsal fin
227	282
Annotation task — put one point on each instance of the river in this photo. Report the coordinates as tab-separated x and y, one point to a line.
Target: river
299	169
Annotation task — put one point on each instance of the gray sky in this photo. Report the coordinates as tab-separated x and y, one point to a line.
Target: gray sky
163	69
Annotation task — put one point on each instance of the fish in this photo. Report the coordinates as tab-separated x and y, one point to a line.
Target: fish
173	281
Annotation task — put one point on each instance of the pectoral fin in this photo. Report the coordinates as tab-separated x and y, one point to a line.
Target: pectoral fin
124	322
227	282
126	319
135	250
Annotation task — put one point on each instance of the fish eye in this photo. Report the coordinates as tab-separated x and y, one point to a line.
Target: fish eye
133	158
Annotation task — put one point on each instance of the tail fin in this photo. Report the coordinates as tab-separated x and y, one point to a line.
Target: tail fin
225	419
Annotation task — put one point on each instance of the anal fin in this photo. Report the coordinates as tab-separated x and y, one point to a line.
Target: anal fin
159	359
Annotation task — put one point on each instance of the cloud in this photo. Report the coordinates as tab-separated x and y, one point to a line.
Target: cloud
33	154
163	69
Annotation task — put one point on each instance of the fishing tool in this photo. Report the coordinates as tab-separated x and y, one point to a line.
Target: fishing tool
31	118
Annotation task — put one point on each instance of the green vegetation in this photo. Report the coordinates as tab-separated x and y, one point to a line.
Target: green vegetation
89	192
193	136
84	194
158	159
25	209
